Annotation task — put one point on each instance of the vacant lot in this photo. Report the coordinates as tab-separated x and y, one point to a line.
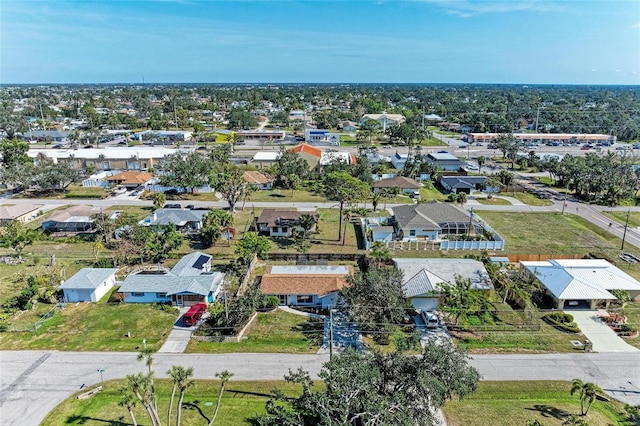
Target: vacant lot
516	403
286	195
276	331
96	327
240	402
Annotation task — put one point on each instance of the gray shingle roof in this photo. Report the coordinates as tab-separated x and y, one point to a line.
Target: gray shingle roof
88	278
177	217
422	276
192	264
428	215
401	182
463	181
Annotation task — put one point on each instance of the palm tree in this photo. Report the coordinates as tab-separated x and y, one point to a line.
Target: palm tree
183	382
224	377
481	160
375	199
587	392
146	355
128	401
141	387
178	376
574	420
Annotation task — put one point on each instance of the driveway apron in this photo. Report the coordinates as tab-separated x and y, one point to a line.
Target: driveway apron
603	338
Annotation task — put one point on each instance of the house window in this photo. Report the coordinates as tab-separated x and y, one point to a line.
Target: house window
283	299
305	299
161	295
137	294
412	233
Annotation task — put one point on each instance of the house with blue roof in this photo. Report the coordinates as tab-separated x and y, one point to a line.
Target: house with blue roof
189	282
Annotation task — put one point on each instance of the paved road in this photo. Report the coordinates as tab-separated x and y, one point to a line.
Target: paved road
34	382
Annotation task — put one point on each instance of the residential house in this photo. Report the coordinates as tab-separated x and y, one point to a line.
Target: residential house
331	157
56	136
308	153
131	180
432	117
406	185
280	222
321	137
305	285
184	220
423	278
581	283
189	282
74	220
258	179
443	161
265	159
88	284
432	221
399	160
384	119
348	126
466	184
19	212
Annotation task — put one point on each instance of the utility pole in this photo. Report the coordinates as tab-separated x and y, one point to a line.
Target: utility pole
330	333
566	193
626	225
537	118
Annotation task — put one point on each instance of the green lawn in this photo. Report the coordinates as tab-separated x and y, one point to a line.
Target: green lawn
431	193
240	402
528	198
276	331
516	403
508	336
286	195
621	217
494	201
77	191
96	327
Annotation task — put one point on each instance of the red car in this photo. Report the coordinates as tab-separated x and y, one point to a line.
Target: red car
194	314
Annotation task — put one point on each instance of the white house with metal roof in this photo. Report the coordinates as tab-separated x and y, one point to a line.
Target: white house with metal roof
182	219
88	284
576	282
423	278
189	282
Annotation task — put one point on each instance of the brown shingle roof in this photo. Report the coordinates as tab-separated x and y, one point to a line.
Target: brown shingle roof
137	178
257	178
399	181
321	284
13	212
272	216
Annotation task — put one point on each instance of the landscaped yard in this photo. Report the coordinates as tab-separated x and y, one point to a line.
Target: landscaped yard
516	403
96	327
509	335
240	402
632	312
276	331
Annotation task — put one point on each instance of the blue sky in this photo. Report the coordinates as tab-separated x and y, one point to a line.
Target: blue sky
359	41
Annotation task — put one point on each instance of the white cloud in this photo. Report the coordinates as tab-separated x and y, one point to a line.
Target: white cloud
470	8
636	26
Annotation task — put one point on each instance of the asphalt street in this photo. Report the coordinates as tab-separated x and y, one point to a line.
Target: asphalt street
34	382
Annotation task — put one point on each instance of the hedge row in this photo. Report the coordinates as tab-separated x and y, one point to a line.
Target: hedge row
562	320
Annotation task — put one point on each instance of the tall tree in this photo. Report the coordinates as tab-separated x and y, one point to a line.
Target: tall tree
375	388
232	186
14	152
17	236
186	170
375	300
224	377
213	224
158	199
181	380
587	392
252	244
345	189
128	401
141	386
370	129
159	246
290	169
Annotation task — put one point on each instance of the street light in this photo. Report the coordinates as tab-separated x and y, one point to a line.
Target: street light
101	370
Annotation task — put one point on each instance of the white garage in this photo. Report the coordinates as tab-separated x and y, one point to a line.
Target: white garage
89	284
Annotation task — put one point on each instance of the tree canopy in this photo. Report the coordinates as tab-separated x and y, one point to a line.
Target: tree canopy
187	170
375	388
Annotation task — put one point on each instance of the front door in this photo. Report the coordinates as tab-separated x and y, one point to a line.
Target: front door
179	301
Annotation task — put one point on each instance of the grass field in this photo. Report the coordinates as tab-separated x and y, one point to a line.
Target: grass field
240	402
494	403
516	403
621	217
528	198
96	327
509	337
276	331
285	195
494	201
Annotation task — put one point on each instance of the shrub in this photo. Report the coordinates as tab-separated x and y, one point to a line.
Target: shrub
271	302
562	321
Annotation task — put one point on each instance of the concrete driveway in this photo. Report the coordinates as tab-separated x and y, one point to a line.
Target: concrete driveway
601	336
